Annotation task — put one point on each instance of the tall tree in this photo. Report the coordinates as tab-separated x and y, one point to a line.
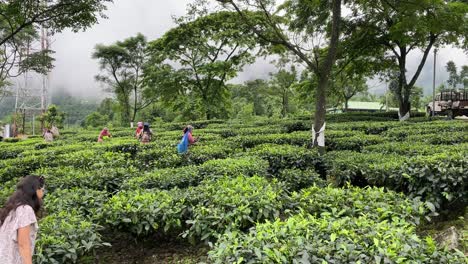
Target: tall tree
282	83
399	27
20	21
208	49
348	84
464	76
122	66
454	79
298	27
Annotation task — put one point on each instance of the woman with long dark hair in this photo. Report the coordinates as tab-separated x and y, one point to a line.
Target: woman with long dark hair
18	223
147	134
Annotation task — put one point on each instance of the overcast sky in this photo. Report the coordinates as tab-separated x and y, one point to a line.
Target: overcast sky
75	69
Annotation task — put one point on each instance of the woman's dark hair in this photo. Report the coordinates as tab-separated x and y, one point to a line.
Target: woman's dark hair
25	194
146	127
187	128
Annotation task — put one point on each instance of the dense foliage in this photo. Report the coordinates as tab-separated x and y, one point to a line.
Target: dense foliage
256	192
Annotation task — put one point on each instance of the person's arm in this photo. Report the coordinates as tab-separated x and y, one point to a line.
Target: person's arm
190	138
24	244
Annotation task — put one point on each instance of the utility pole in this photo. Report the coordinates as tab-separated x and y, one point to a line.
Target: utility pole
433	83
32	99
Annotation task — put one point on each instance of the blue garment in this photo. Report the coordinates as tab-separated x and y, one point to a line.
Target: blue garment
182	147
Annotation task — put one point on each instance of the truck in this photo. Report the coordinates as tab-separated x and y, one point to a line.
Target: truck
449	103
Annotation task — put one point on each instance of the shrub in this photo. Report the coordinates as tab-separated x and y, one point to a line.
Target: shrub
64	237
199	154
233	204
168	178
287	157
232	167
409	149
374	203
11	140
85	202
250	141
19	167
7	189
355	143
439	179
296	179
307	239
106	179
296	126
142	212
158	157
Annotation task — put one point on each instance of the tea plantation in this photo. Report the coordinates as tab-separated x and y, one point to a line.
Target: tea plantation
255	193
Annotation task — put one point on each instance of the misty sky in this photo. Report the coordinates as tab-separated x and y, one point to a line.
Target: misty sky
75	69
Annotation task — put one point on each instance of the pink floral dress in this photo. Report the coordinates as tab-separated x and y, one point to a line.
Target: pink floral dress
23	216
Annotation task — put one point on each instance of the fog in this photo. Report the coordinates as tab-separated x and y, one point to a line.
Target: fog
75	69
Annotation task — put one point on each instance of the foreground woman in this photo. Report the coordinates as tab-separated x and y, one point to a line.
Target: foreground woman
18	223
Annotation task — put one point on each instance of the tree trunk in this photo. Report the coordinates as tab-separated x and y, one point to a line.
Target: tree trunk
320	111
323	76
404	108
125	114
135	104
284	110
346	104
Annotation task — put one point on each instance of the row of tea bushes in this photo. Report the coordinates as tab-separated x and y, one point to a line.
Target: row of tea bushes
204	212
201	212
66	236
186	176
410	149
304	238
440	178
245	176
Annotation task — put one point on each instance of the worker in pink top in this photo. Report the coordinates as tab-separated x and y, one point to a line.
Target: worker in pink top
139	130
104	133
188	129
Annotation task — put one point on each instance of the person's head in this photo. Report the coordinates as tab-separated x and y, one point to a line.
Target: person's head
106	129
188	128
140	124
29	191
146	127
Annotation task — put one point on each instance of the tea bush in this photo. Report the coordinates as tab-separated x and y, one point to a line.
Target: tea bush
286	157
374	203
168	178
236	203
247	166
106	179
66	236
307	239
355	143
296	179
85	202
256	190
439	178
143	212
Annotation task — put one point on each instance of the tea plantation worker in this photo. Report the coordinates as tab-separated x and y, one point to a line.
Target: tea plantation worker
187	140
188	130
55	131
18	223
147	134
48	135
104	134
139	130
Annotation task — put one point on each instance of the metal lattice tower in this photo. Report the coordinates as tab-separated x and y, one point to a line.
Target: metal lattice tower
32	91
